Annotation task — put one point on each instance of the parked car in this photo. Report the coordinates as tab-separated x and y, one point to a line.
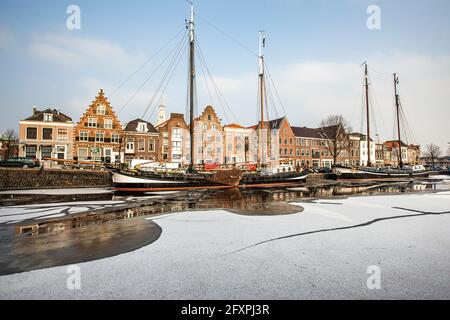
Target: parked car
18	162
325	170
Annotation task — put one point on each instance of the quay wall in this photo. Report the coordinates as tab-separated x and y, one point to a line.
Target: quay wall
18	178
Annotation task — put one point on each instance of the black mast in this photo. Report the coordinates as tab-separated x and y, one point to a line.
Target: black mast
397	105
366	85
191	85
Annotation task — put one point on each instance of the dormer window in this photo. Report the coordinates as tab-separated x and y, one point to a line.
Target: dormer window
101	109
142	127
48	117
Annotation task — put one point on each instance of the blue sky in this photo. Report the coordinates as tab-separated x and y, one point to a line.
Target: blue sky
314	49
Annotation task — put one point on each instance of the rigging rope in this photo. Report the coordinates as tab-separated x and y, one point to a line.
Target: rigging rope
222	101
168	71
145	63
275	88
152	74
228	36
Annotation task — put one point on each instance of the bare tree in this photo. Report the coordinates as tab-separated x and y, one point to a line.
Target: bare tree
432	152
334	130
10	142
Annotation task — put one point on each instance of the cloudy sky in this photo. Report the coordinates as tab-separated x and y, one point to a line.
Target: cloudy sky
314	53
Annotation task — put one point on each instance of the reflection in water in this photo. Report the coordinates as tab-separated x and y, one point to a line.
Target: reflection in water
96	241
24	199
246	201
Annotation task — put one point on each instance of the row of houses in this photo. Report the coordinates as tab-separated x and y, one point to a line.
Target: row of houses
100	136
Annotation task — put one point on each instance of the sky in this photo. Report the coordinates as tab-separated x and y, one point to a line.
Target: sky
314	51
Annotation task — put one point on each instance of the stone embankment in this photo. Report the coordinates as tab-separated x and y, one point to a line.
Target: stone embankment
18	178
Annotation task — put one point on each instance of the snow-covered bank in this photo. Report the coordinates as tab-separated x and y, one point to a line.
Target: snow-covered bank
220	255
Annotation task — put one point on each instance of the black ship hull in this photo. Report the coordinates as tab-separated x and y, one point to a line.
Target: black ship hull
128	182
366	175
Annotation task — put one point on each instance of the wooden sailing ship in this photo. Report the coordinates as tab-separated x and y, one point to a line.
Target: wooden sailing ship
369	171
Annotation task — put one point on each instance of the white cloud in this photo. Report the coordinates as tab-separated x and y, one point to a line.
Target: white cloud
311	90
72	51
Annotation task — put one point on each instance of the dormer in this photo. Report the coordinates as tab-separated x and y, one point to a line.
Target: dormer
48	117
142	127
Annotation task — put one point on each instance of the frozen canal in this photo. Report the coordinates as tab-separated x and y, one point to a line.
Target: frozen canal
322	250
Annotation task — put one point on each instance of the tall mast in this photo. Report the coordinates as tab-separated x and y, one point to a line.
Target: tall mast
397	106
261	152
366	85
191	84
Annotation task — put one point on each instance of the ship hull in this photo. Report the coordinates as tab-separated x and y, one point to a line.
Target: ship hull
127	182
285	178
344	174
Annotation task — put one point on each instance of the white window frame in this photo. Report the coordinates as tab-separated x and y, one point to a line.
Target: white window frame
92	122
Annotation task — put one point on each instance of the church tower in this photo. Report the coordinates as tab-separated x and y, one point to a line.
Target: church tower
161	114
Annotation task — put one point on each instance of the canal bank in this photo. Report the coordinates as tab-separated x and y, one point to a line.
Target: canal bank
19	179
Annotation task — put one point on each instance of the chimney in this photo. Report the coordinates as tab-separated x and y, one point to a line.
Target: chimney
34	110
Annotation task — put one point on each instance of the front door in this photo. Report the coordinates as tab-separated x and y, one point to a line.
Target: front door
108	155
61	152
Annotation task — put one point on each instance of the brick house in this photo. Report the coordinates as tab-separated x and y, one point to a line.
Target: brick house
391	153
414	154
98	134
140	141
8	148
174	140
240	144
46	134
311	149
208	138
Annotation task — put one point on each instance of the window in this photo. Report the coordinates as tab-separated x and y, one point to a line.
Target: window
230	147
151	145
176	146
30	151
84	136
47	133
142	127
99	137
115	138
141	145
101	109
298	152
176	134
92	122
209	117
130	145
213	127
62	134
204	127
48	117
108	124
32	133
46	152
